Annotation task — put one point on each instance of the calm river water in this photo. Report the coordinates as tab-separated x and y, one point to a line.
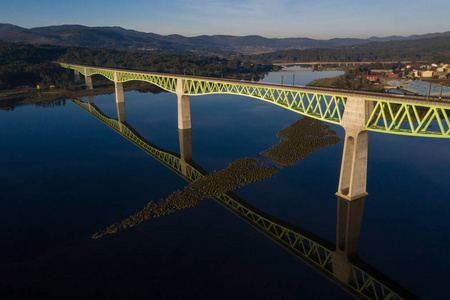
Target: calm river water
65	175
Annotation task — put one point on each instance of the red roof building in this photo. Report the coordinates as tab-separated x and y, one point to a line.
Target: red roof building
371	77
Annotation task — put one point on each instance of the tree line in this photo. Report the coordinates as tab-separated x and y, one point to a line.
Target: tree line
435	49
32	64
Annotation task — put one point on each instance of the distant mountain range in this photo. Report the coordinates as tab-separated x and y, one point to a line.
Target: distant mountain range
125	39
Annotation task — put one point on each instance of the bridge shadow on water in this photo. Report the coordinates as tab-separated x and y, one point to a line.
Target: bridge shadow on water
338	262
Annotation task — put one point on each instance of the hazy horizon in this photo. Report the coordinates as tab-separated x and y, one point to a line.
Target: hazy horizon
283	19
287	37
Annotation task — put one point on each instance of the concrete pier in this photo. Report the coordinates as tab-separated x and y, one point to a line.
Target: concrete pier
349	217
90	102
120	100
88	80
353	177
184	107
76	75
185	138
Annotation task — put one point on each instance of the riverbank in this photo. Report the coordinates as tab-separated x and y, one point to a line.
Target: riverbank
11	98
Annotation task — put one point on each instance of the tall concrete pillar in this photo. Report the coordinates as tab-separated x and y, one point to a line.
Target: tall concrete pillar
185	137
349	216
90	102
120	100
353	177
88	80
77	76
184	106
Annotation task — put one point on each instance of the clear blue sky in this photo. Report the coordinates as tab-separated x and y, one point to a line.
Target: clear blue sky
320	19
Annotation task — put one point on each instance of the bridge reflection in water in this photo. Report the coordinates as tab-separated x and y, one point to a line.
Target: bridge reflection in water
339	263
358	112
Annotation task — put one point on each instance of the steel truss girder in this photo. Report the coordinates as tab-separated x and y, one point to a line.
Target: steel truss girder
325	107
77	68
387	116
368	287
409	119
168	83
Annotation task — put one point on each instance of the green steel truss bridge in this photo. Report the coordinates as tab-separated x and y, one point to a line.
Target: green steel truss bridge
393	114
363	281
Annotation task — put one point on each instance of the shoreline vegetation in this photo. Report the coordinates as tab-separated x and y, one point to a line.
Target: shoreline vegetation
24	67
9	99
28	72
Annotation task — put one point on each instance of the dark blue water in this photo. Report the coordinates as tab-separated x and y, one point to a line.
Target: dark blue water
65	175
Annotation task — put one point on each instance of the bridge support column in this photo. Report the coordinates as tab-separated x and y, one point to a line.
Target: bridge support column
353	177
76	75
349	216
120	100
185	137
88	81
90	102
184	107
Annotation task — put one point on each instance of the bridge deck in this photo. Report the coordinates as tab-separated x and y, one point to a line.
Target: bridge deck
394	114
330	91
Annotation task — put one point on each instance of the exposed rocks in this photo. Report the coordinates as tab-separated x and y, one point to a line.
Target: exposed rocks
300	139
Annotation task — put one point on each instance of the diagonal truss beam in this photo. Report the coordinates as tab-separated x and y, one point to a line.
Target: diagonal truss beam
425	120
388	116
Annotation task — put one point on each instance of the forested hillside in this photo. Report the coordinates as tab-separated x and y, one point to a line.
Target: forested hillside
435	49
32	64
124	39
